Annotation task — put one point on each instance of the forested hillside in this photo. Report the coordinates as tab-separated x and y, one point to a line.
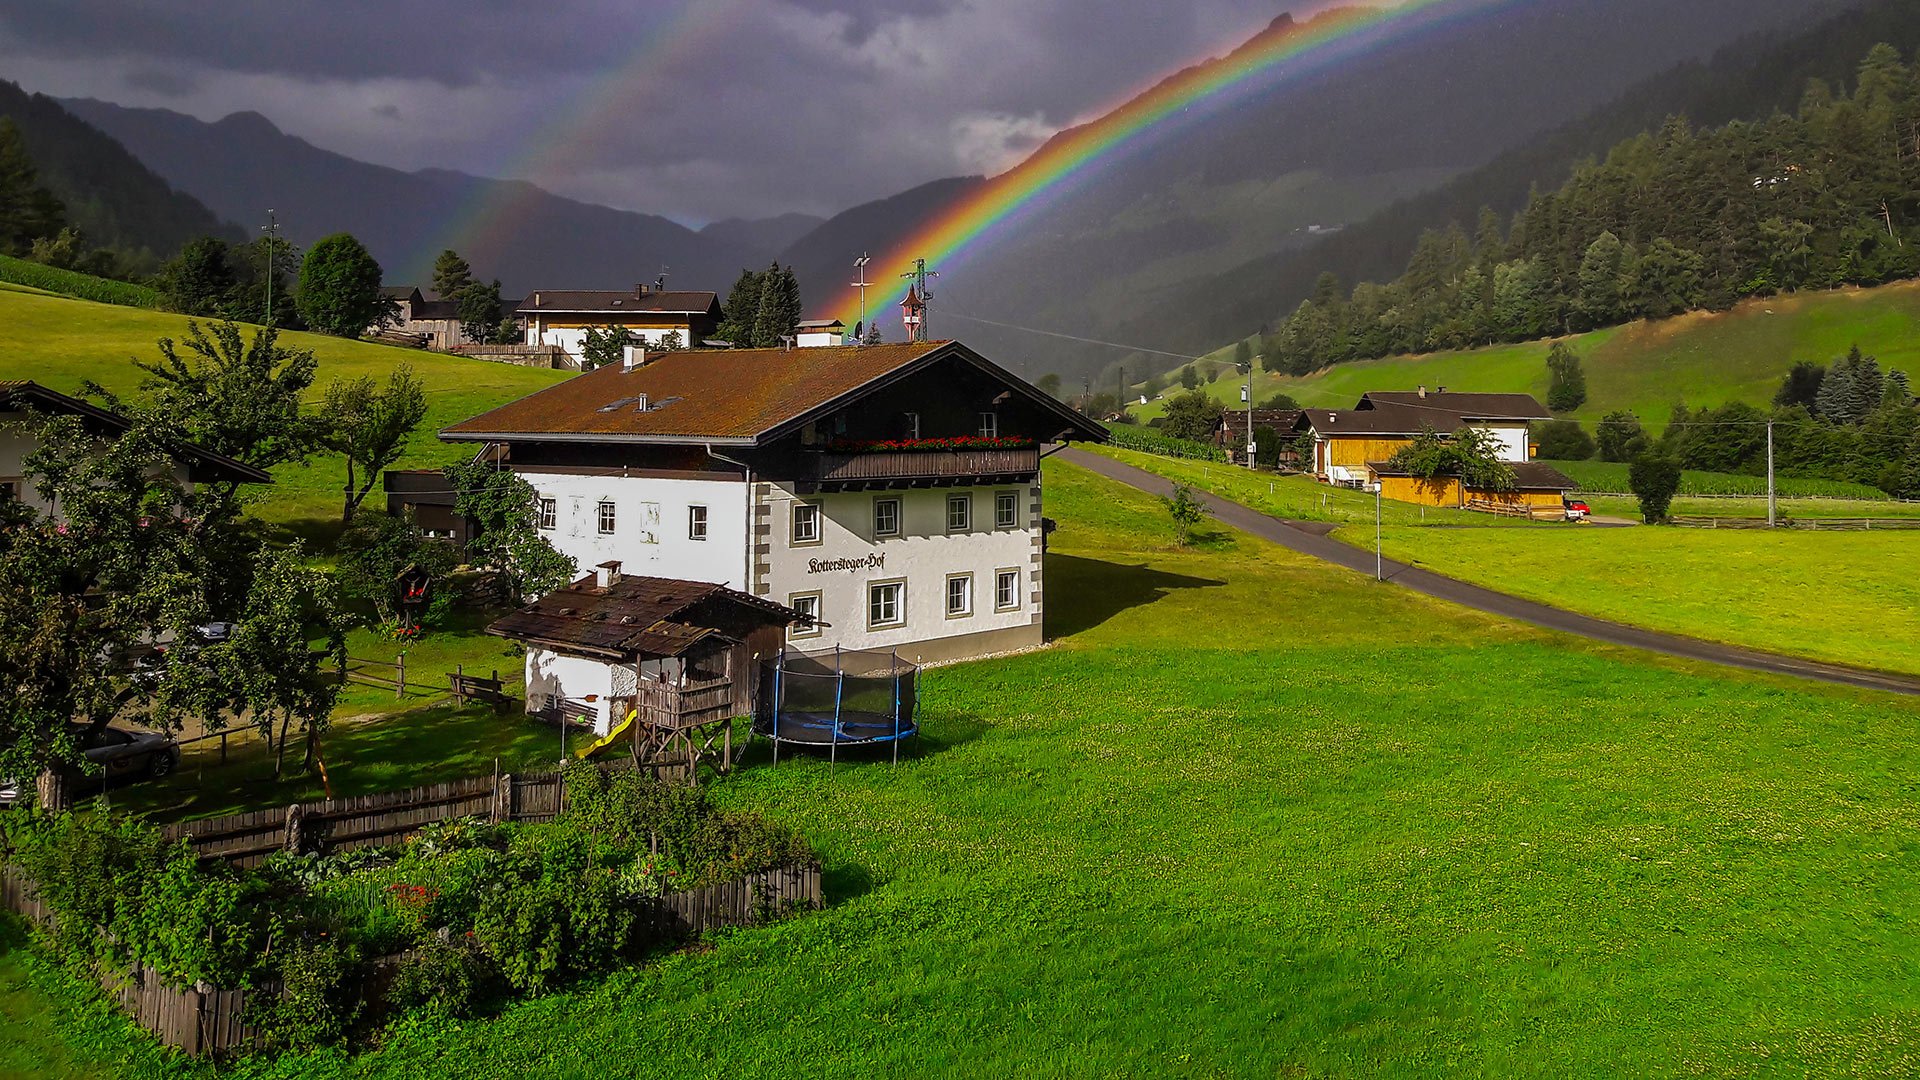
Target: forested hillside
107	193
1748	80
1670	221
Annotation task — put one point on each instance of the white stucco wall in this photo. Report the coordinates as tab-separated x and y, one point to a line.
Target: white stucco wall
849	557
650	525
573	338
1512	439
569	677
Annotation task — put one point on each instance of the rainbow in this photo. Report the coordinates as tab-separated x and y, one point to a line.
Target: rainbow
484	222
1283	53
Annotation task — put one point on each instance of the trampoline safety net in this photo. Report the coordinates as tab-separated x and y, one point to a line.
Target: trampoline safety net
839	698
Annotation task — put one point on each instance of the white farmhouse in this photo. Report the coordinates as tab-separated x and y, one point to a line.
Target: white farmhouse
18	400
889	494
651	314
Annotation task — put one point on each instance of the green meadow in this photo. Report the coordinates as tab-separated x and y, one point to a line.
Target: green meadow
63	343
1701	358
1252	815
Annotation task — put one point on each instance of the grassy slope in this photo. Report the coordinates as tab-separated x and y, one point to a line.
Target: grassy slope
1803	594
61	343
1830	596
1256	816
1705	359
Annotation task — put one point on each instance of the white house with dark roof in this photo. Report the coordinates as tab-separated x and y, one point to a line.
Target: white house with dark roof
22	401
890	494
563	317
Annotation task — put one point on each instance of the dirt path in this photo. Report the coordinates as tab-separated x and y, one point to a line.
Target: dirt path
1309	538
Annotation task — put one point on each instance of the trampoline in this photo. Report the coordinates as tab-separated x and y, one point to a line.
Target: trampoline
838	698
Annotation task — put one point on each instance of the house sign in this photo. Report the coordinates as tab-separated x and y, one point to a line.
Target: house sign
854	565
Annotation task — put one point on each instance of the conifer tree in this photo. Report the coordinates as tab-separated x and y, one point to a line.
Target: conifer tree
28	211
450	275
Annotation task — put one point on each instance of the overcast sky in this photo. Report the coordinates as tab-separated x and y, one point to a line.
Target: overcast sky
697	109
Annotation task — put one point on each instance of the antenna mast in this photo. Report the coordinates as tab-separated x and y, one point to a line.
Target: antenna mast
919	275
860	268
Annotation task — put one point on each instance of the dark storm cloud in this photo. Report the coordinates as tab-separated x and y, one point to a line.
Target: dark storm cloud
707	109
171	84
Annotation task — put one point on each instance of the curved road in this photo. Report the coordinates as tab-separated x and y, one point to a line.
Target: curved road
1309	538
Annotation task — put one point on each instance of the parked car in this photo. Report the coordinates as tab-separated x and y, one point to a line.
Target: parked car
132	752
1576	510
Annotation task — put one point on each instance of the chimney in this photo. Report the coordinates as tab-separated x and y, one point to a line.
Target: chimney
640	403
536	299
636	358
607	574
640	289
1423	390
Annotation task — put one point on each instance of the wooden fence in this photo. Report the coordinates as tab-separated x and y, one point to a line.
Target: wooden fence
202	1020
1517	510
1807	524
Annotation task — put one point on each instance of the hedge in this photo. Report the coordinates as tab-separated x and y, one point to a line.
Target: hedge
1130	437
1609	476
82	286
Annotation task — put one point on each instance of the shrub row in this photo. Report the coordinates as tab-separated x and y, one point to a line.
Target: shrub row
478	913
1609	476
69	283
1130	437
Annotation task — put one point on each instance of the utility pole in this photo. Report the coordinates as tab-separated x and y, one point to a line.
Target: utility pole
272	229
860	265
1379	572
1773	506
1250	447
1086	397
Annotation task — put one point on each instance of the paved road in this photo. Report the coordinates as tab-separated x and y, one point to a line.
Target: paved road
1309	538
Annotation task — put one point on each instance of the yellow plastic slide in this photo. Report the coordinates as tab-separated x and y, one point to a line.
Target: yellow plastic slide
610	737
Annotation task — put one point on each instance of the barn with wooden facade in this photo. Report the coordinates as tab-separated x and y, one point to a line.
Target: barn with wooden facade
1352	447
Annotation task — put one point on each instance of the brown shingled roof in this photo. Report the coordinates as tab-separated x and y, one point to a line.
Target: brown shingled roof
619	300
635	618
731	396
1470	406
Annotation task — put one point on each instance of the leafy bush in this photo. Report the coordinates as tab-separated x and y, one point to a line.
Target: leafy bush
75	284
1133	438
449	978
1564	440
1654	478
322	996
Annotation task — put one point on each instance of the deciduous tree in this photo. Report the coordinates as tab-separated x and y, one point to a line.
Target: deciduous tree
369	425
1653	478
507	537
339	290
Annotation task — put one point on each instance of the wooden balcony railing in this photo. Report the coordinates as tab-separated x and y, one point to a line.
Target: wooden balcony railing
924	465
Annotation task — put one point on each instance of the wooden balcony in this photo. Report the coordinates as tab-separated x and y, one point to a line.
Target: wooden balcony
923	468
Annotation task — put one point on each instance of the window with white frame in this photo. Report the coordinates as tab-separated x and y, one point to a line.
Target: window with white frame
959	513
886	517
696	523
806	523
549	513
913	425
807	604
989	425
1006	590
607	517
959	595
1006	509
886	604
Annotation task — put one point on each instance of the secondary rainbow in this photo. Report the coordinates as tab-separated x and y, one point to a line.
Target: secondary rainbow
1332	37
483	223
